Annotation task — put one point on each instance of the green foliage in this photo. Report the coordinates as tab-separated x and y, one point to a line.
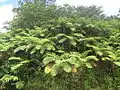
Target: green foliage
56	50
32	13
64	46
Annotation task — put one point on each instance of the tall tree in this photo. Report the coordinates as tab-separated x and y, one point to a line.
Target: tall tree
34	12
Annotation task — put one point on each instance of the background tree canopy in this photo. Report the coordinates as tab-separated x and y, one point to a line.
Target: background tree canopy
34	13
60	48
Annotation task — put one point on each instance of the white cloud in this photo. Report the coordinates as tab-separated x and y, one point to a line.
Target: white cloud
2	0
6	14
109	6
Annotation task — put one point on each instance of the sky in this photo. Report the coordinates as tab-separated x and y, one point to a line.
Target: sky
110	7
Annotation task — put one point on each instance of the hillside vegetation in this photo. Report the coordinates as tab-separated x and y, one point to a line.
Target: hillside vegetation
60	48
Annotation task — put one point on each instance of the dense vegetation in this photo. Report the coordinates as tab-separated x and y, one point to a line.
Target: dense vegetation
60	48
